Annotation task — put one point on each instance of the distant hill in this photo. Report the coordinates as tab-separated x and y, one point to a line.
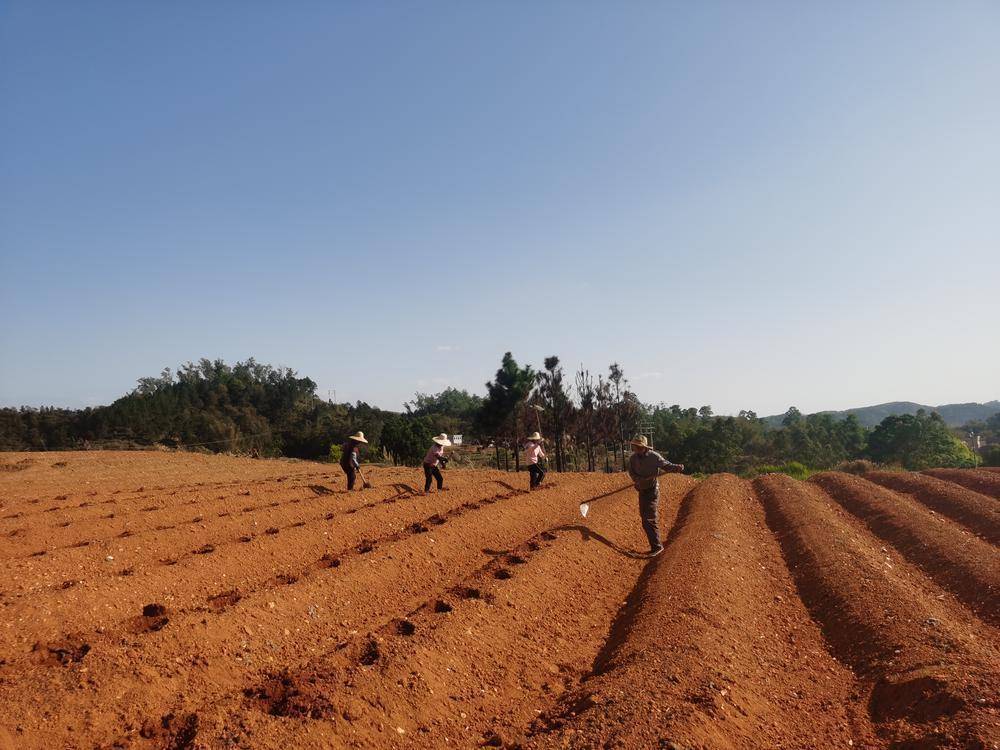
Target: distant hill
955	415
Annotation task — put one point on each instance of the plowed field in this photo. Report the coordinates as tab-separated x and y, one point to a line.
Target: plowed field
178	601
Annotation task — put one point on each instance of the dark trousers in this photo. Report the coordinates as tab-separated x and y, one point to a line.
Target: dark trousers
649	512
351	475
435	472
537	474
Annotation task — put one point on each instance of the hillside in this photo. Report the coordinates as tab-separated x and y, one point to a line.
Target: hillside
954	415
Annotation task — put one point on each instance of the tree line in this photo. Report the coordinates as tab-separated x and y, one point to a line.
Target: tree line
257	409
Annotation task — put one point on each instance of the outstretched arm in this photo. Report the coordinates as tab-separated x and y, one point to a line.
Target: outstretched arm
668	467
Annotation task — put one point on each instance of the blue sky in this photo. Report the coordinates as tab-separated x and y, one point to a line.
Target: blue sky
748	205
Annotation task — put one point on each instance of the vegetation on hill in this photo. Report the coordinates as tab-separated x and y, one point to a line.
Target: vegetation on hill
954	415
261	410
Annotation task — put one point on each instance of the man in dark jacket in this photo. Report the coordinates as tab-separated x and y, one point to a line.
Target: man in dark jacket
644	468
349	457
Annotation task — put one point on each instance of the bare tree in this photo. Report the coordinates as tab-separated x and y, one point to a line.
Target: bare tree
587	393
617	378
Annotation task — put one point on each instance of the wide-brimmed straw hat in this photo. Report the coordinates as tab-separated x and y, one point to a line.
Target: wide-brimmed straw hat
442	440
640	441
358	437
535	438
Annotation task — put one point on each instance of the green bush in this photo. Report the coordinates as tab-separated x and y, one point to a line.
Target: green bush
918	441
860	466
990	455
336	452
406	438
793	469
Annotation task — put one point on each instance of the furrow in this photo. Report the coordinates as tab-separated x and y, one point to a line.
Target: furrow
713	648
962	563
927	664
982	481
978	513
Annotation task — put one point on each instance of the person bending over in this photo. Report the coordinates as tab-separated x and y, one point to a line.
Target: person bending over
350	457
433	462
532	452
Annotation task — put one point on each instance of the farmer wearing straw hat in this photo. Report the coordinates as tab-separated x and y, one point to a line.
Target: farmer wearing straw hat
644	467
532	452
349	460
434	459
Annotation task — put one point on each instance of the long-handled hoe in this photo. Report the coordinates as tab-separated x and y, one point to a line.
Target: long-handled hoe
364	482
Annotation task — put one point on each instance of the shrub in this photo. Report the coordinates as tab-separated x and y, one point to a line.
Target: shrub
793	469
860	466
918	441
991	455
336	452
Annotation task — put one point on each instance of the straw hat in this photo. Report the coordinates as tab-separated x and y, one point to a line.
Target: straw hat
535	438
442	440
358	437
640	441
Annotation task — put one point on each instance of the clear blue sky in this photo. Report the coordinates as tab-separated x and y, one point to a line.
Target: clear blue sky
748	205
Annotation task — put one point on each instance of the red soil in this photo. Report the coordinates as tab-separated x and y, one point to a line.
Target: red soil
979	514
156	600
714	649
964	564
985	481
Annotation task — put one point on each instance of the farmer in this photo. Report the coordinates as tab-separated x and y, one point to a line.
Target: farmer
532	452
644	466
434	459
349	457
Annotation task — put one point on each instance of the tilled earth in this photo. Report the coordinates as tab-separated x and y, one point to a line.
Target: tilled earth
161	600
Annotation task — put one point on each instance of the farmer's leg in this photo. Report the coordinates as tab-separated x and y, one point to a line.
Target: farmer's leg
351	475
427	478
649	511
438	477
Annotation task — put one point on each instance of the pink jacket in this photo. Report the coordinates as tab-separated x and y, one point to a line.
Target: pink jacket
434	454
532	452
